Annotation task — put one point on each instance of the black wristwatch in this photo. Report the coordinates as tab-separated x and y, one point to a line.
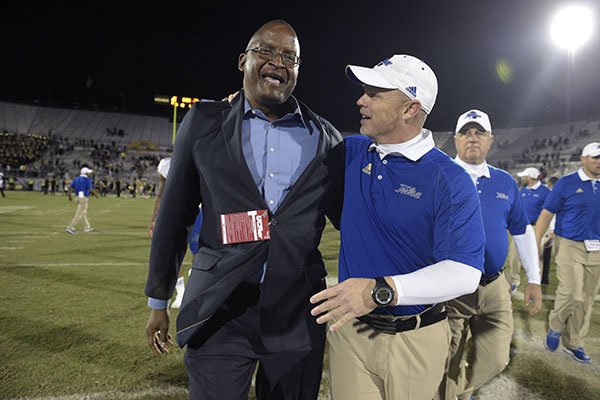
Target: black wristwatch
382	293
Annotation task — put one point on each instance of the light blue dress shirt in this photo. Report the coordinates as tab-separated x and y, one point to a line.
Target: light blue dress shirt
276	152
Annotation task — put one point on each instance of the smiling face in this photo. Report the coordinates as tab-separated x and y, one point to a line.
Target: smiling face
269	83
384	113
473	144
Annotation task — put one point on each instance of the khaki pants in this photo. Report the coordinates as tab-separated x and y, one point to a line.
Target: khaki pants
364	365
487	316
82	205
578	273
513	275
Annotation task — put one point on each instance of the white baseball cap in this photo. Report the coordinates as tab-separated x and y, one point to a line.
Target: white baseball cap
406	73
592	150
530	172
474	116
86	170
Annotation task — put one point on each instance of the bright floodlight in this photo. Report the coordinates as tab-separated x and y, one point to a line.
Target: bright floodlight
571	27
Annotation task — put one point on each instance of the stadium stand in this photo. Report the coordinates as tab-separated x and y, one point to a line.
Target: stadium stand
38	142
85	124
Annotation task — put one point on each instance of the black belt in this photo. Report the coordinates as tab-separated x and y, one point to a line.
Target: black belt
486	280
384	324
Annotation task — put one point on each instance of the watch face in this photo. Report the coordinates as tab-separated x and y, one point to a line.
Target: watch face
383	295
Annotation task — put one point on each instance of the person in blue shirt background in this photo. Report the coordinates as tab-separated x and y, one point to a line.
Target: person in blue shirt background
411	238
533	194
575	200
487	313
83	186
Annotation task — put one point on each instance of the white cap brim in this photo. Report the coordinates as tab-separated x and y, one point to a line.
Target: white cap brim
367	76
460	127
591	150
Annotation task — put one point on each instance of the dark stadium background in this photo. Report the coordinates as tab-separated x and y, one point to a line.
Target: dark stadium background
117	56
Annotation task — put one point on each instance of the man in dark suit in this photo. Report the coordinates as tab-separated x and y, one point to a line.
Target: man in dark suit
247	300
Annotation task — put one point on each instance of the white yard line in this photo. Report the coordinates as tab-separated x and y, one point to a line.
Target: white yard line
39	233
186	264
105	264
9	209
155	392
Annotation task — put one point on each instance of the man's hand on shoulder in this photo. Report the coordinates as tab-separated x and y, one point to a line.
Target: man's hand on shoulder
231	97
157	332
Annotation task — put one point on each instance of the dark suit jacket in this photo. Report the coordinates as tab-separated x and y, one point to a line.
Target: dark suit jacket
208	167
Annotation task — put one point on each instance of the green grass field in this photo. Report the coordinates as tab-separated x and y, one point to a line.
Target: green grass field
73	311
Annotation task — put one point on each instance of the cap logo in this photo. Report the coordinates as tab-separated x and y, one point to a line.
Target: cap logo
385	62
473	115
412	90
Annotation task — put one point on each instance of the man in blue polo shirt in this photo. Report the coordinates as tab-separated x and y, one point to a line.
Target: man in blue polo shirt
487	313
533	194
575	199
411	238
82	185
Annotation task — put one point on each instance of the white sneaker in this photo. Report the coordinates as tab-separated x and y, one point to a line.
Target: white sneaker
177	303
88	229
71	231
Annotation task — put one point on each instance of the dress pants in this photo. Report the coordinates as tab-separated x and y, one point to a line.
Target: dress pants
485	315
368	365
513	275
81	213
222	358
578	273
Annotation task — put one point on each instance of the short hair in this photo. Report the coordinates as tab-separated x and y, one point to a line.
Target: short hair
267	25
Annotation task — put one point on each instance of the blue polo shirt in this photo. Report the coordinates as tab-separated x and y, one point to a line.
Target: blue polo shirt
575	199
502	211
533	200
401	215
82	184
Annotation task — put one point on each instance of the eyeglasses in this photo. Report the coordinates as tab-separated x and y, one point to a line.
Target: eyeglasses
290	60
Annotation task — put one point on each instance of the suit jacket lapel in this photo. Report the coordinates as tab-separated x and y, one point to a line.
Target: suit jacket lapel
231	128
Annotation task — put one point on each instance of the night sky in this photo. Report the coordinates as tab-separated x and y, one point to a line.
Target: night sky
130	52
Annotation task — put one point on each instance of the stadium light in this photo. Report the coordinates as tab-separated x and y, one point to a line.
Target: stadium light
571	27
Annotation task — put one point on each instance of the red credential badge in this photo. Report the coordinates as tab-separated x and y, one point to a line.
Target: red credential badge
248	226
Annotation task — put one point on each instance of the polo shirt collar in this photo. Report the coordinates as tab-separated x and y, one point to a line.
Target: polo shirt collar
412	149
582	175
537	185
476	171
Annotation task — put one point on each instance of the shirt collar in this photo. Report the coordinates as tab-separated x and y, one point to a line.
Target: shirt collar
582	175
537	185
412	149
476	171
297	113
